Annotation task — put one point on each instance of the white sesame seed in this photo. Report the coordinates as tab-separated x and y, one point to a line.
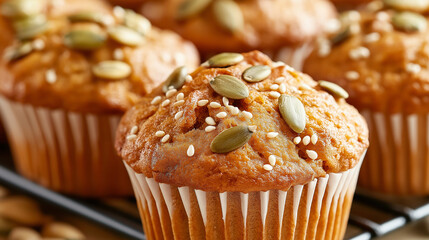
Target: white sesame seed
165	103
274	94
160	134
51	76
210	121
210	128
202	103
413	68
272	134
188	78
134	130
272	160
252	128
372	37
165	138
282	88
215	105
324	47
274	87
278	64
178	115
352	75
359	53
156	100
234	110
179	103
247	115
280	80
305	86
332	25
38	44
268	167
225	101
354	15
355	28
119	12
221	115
382	16
375	6
131	137
311	154
297	140
191	151
180	96
306	140
205	64
314	138
118	54
170	87
170	92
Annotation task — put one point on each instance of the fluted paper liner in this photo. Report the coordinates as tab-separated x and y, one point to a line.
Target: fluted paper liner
66	151
317	210
398	157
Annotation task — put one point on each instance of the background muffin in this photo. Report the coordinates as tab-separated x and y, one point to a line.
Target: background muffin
68	77
349	3
239	144
127	3
380	58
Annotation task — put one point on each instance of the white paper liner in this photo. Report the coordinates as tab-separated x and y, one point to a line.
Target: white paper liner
398	156
317	210
293	56
68	152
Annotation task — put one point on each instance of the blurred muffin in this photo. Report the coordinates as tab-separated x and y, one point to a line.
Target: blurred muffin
344	4
71	72
381	58
283	29
244	141
127	3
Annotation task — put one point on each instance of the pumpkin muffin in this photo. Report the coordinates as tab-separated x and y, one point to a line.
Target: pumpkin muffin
283	29
344	4
243	146
72	70
381	58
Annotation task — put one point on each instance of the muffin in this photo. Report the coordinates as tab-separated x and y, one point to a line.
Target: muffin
284	29
381	58
350	3
67	78
246	146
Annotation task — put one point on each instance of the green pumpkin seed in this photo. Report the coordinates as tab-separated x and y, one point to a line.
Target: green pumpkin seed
229	87
190	8
293	112
30	27
126	36
84	40
408	5
176	79
257	73
21	8
112	70
91	17
137	22
21	51
334	89
409	22
231	139
228	14
225	59
341	36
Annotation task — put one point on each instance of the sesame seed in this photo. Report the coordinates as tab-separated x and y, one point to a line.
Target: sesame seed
278	64
248	115
297	140
131	137
205	64
324	47
221	115
352	75
413	68
188	78
165	103
178	115
156	100
354	15
215	105
280	80
118	54
314	138
272	134
51	76
268	167
274	87
359	53
372	37
202	103
252	128
272	160
306	140
160	134
375	6
134	130
179	103
38	44
225	101
311	154
119	12
210	128
355	28
274	94
170	92
332	25
282	88
191	151
180	96
234	110
210	121
382	16
170	87
165	138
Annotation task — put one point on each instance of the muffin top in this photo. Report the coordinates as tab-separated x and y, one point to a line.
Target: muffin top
242	123
85	56
349	3
380	56
227	25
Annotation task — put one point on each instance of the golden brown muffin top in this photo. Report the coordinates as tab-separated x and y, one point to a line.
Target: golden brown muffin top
85	56
226	25
246	141
380	56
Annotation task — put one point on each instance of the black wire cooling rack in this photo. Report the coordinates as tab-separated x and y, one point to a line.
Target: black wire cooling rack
371	215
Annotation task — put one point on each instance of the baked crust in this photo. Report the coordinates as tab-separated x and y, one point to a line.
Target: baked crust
342	134
76	88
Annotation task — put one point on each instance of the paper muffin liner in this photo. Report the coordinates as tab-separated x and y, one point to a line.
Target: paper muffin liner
316	210
65	151
398	157
293	56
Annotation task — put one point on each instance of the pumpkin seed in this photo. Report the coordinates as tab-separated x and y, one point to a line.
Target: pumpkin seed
341	36
225	59
21	8
84	40
112	70
137	22
293	112
256	73
334	89
408	5
190	8
231	139
62	231
126	36
409	22
23	233
229	87
21	51
91	17
176	79
30	27
228	14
